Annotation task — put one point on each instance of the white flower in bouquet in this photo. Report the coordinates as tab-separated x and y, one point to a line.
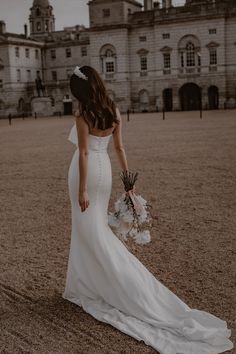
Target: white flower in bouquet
143	237
131	213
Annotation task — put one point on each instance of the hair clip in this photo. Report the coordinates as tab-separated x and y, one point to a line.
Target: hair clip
79	73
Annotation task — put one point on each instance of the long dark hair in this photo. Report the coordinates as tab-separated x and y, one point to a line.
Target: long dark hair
95	105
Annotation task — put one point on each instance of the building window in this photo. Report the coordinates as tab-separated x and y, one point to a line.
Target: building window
27	53
28	75
110	67
84	51
142	39
38	12
17	52
108	61
38	26
166	60
143	63
54	76
106	12
190	54
36	54
46	26
212	31
165	35
53	54
18	75
213	56
68	52
1	84
182	59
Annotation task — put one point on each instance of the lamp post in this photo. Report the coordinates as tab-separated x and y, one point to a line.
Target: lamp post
200	102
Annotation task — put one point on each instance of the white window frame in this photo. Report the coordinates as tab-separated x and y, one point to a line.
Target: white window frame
27	53
17	52
106	12
213	56
53	54
84	51
143	63
165	35
190	55
166	60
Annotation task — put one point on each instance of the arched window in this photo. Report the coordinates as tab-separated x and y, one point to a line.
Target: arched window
190	54
108	60
189	50
38	12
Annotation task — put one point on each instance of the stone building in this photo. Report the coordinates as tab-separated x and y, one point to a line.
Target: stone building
151	56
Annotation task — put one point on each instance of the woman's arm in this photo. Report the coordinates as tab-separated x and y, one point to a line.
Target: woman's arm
118	144
83	132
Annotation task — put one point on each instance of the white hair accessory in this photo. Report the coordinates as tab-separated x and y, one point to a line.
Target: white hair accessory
79	73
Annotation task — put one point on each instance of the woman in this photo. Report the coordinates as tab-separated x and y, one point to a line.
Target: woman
103	277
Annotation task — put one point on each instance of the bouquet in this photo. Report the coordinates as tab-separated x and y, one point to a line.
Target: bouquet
132	216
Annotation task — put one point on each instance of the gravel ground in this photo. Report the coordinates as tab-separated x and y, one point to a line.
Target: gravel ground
187	171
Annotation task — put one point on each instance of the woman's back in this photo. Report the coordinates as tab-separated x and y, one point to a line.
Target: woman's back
99	132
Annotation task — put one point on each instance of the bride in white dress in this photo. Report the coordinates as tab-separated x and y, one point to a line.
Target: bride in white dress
103	277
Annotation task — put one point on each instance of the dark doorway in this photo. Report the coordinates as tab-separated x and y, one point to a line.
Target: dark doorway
167	99
190	97
21	105
213	97
67	108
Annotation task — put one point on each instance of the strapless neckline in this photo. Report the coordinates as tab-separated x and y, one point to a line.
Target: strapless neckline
96	136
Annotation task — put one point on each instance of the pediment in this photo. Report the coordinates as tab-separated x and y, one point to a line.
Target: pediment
142	51
166	49
212	45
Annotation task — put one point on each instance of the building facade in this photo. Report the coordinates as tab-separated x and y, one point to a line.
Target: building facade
151	57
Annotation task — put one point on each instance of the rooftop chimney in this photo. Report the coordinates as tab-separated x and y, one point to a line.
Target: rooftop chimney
2	27
148	5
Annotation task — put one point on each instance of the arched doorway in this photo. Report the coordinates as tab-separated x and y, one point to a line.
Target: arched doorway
67	102
143	101
190	97
21	105
167	99
213	97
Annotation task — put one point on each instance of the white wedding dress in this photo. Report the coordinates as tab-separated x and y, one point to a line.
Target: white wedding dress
113	286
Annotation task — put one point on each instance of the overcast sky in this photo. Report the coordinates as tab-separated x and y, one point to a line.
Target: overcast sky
67	12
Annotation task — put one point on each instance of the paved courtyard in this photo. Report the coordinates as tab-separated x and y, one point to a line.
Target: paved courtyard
187	170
